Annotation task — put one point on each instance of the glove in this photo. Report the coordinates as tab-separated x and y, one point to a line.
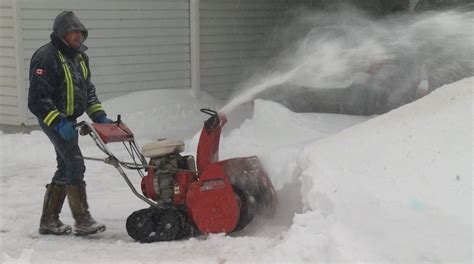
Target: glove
103	120
66	130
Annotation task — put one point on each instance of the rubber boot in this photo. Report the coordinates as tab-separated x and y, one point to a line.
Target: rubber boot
52	205
85	224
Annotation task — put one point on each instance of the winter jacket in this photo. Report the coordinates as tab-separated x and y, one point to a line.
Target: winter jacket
60	79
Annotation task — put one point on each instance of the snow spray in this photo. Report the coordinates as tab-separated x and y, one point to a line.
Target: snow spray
336	50
265	83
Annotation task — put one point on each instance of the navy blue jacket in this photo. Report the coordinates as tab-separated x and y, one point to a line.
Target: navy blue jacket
49	98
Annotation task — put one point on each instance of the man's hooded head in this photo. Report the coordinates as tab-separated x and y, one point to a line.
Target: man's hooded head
66	22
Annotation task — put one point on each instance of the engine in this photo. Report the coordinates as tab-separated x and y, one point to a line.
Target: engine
167	179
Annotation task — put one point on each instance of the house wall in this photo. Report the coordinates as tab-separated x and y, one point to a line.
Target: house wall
234	37
144	44
9	94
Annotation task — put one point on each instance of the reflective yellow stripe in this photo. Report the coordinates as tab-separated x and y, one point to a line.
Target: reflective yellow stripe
70	87
94	108
85	72
50	117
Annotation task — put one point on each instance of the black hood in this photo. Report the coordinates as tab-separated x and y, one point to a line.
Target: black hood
67	21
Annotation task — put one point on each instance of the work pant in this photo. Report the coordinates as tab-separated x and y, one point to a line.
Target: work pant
70	169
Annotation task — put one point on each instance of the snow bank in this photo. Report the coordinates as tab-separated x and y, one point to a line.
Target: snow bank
395	188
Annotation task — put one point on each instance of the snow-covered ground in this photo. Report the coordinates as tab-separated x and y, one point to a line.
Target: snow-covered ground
393	188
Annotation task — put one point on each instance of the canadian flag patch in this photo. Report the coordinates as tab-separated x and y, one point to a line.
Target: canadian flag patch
39	71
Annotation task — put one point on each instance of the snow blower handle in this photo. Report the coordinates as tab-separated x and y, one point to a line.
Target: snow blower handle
82	127
119	120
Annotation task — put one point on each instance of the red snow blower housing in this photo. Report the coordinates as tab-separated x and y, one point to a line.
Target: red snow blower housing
187	198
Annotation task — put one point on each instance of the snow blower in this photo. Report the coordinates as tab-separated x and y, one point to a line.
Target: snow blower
187	198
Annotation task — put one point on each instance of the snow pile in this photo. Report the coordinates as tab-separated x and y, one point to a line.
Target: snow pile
396	188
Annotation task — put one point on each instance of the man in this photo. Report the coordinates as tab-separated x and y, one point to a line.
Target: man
61	91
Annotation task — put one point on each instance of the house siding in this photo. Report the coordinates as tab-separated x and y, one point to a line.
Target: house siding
9	96
141	45
234	37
